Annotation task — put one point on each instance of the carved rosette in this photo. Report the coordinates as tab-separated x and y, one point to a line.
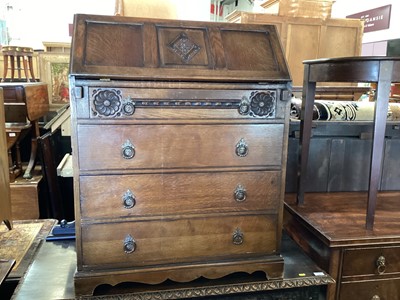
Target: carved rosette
261	104
109	103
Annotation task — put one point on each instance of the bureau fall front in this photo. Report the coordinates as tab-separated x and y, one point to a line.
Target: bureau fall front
179	146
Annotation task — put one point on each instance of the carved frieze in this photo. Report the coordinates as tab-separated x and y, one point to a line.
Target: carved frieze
111	103
289	288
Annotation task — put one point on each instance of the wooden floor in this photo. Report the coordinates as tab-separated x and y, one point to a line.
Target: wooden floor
339	218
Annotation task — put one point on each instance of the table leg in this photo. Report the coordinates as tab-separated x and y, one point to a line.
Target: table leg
307	107
380	115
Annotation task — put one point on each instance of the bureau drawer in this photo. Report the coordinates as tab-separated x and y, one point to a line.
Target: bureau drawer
103	147
371	290
177	193
123	102
177	241
371	261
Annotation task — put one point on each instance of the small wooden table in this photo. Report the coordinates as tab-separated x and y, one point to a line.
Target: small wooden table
361	254
381	70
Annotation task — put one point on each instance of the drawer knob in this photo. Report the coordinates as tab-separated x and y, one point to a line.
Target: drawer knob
128	150
381	264
129	199
375	297
241	148
129	244
238	237
244	106
240	193
128	108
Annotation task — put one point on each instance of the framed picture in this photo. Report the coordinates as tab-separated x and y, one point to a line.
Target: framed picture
54	68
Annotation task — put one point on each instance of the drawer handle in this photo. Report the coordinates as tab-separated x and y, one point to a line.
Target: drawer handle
238	237
129	199
244	106
375	297
241	148
381	264
128	150
240	193
129	244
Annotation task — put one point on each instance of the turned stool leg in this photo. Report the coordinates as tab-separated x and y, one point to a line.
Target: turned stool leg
5	68
12	66
18	58
30	64
25	64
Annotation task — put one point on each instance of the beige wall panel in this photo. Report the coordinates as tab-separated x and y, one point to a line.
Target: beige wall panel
302	44
339	41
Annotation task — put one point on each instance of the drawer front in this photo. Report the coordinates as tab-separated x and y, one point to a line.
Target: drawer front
161	103
371	261
103	147
371	290
165	194
14	94
143	243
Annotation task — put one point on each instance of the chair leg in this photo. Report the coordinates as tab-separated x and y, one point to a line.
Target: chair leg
25	64
30	63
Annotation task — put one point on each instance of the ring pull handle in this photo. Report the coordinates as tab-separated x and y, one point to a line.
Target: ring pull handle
128	150
242	149
240	193
129	244
129	199
381	264
375	297
237	237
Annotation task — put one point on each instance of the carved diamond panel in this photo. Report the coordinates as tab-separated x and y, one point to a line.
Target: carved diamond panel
185	48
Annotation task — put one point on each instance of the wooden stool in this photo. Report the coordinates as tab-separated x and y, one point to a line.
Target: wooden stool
16	54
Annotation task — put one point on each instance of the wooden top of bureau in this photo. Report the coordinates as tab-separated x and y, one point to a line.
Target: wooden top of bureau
175	50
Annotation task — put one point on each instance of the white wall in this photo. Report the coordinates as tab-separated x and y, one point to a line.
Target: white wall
31	22
343	8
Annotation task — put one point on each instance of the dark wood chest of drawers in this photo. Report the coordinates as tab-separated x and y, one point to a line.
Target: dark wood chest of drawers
179	145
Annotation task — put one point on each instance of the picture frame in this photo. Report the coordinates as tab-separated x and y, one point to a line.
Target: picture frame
54	70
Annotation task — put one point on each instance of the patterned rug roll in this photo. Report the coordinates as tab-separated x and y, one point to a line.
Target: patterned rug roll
326	110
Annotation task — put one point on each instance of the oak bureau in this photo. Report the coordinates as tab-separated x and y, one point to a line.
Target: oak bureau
179	145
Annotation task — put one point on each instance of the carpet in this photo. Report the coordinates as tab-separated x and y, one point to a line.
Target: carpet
22	242
326	110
